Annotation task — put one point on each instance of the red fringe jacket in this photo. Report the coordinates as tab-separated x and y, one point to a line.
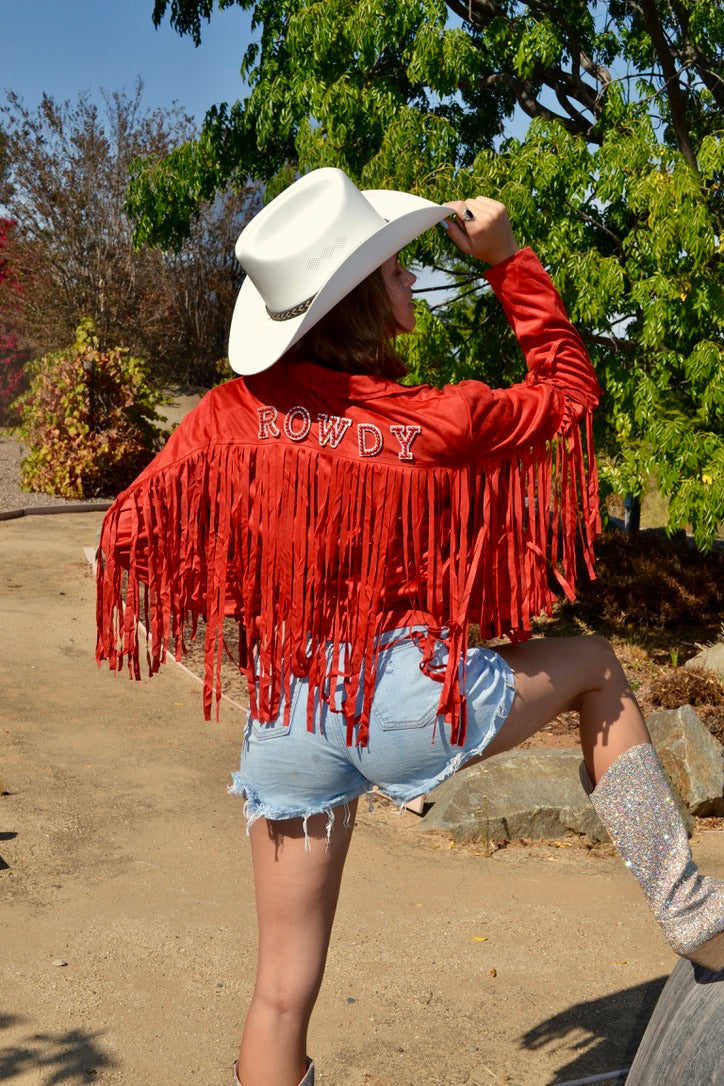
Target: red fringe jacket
319	509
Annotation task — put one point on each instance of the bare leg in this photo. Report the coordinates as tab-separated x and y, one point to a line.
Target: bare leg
633	800
296	899
555	675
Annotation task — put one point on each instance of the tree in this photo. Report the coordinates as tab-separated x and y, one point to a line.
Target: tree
4	164
65	185
203	280
618	183
13	354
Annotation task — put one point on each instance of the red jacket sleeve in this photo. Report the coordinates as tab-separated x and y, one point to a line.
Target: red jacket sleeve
560	387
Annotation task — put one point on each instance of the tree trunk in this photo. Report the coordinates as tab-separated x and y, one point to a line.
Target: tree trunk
683	1044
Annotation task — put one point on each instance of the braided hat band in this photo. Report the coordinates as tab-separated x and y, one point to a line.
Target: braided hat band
295	311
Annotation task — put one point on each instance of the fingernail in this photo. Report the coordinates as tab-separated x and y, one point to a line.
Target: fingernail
444	224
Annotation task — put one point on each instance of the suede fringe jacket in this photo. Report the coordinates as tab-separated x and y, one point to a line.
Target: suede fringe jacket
319	509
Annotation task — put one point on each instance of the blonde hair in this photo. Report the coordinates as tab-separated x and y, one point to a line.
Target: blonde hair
356	335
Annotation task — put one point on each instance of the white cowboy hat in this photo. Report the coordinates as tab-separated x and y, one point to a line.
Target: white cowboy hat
306	250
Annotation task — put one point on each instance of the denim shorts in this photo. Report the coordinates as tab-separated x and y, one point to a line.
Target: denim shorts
290	772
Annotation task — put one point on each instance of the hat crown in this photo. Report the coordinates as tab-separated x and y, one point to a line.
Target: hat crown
306	250
293	245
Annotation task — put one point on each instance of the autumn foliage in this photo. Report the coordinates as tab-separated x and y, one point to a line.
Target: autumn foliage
89	419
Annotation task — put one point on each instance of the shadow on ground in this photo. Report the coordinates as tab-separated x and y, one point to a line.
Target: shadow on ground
71	1057
606	1031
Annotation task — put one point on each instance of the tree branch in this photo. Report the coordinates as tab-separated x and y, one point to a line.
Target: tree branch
476	12
711	77
461	10
677	102
610	342
530	105
458	297
599	73
571	85
598	226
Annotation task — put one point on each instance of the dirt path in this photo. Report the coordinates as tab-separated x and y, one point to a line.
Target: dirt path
128	863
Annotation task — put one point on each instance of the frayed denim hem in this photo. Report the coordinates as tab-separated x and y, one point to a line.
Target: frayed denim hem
401	799
397	790
254	809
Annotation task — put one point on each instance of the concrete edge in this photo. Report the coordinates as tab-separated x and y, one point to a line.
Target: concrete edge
49	510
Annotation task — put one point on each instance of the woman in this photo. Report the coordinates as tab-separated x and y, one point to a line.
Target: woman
354	527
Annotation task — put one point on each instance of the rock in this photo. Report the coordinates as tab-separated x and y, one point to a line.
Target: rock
522	793
537	794
711	658
692	758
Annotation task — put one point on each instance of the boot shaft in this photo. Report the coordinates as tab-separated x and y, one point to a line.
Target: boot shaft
635	803
308	1079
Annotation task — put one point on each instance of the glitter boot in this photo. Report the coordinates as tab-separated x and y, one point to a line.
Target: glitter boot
308	1079
634	801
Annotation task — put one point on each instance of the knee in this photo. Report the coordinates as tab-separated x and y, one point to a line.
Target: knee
284	996
604	666
599	646
598	668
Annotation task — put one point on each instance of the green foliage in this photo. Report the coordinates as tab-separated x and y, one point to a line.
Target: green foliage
89	419
618	184
633	242
186	18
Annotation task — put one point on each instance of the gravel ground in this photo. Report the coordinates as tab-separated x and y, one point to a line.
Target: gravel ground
12	498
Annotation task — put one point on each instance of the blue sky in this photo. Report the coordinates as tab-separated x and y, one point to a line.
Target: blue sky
62	47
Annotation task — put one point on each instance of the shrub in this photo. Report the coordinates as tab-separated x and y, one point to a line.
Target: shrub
648	582
687	686
695	686
89	418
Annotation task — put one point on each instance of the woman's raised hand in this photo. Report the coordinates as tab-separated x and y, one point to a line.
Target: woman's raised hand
482	229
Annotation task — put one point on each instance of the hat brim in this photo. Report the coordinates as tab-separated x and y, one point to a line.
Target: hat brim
256	341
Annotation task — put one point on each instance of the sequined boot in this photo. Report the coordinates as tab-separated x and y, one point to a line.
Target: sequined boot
633	799
308	1079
